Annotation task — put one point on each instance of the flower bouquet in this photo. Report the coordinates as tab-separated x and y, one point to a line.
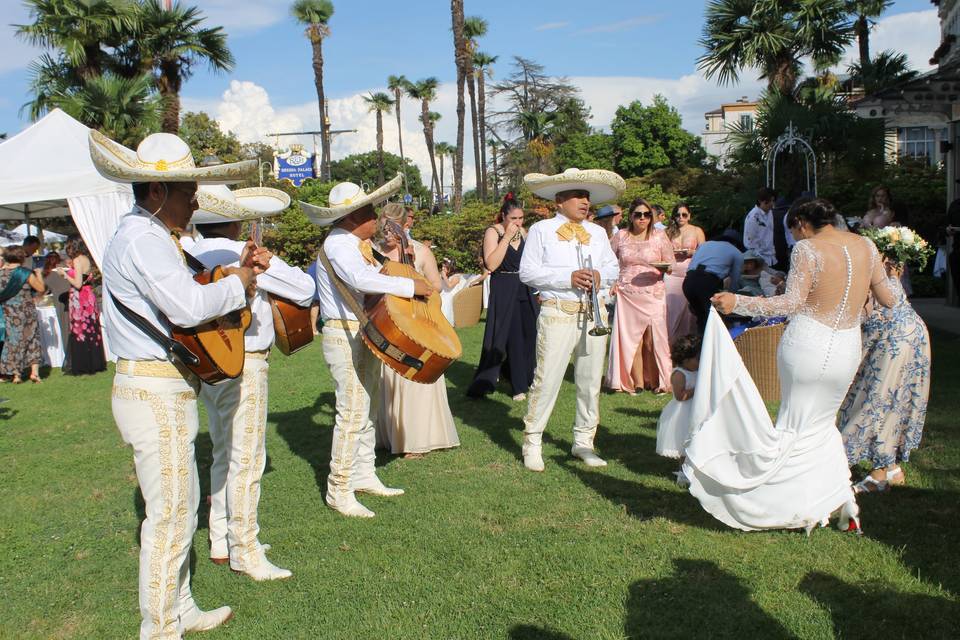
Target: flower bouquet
901	245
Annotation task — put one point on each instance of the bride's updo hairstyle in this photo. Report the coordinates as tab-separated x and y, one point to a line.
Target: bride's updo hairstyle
818	213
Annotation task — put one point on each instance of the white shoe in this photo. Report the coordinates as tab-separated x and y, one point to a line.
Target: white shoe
196	620
533	461
520	397
850	517
260	569
589	457
352	508
380	489
682	480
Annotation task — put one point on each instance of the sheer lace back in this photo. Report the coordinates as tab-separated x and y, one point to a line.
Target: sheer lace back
829	282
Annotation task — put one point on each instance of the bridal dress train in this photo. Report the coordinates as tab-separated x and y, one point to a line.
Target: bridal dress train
747	471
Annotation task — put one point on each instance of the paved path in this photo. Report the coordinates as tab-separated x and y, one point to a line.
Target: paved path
938	315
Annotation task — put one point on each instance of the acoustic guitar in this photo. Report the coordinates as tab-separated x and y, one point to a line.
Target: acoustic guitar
413	337
217	345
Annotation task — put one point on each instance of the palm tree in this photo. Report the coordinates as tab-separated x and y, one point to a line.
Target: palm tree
398	85
889	68
444	150
493	144
864	12
462	59
168	43
81	29
315	14
426	90
483	64
379	102
124	109
474	27
774	36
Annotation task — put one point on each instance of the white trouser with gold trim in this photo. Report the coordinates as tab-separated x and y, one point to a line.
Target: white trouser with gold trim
238	430
560	334
356	374
155	408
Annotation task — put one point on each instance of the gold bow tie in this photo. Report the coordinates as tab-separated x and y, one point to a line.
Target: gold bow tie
570	230
366	250
175	236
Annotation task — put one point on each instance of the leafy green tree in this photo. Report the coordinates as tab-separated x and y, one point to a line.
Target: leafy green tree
586	151
316	14
364	168
379	103
774	36
204	136
646	138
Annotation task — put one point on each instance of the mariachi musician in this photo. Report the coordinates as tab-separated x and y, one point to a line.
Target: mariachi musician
356	372
237	408
149	288
567	258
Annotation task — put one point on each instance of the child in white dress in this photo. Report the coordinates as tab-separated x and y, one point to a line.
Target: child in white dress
673	428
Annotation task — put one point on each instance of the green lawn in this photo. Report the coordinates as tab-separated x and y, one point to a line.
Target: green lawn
479	547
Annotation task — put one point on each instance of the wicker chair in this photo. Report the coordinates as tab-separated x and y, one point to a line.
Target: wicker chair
467	306
758	349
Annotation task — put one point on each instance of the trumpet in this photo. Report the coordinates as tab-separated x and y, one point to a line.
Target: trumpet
599	328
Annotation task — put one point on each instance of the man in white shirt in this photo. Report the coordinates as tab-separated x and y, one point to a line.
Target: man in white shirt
237	408
758	227
355	370
564	258
155	399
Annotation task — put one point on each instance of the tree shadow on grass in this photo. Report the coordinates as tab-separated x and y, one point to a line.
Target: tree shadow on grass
871	610
533	632
699	600
490	414
308	439
6	413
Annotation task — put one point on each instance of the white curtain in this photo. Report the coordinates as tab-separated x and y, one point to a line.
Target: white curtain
97	218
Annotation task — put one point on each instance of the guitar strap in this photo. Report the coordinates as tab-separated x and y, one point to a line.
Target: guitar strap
369	329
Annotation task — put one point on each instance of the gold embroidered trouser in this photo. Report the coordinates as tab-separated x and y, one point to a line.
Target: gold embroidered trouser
238	430
155	407
560	334
356	376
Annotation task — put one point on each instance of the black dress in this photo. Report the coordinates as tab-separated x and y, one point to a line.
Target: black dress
511	332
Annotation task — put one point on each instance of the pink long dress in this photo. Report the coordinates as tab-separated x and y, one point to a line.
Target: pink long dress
641	306
680	320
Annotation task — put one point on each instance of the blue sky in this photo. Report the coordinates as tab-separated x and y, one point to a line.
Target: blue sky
614	50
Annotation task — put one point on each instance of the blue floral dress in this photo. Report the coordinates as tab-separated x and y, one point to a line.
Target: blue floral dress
882	417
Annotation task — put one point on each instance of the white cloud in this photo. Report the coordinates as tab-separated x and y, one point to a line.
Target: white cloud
549	26
622	25
916	34
239	16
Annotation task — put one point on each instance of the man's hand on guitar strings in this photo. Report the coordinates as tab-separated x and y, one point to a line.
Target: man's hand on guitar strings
257	258
247	276
422	288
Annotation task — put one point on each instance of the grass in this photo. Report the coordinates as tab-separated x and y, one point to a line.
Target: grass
479	547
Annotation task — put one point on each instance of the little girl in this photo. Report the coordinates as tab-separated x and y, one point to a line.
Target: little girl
673	429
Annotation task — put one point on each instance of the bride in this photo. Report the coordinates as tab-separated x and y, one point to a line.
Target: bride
750	474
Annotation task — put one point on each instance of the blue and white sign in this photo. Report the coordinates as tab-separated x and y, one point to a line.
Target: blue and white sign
296	168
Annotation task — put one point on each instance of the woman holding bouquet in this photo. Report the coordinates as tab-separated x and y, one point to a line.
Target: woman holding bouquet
882	417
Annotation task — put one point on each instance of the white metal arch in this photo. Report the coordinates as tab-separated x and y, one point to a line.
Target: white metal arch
787	142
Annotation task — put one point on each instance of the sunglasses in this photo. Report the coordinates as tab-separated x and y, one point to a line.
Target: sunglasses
643	214
683	214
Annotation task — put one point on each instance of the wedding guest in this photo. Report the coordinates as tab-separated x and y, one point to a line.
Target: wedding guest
21	342
639	346
31	244
758	228
451	283
609	217
757	279
880	209
659	217
413	418
673	427
510	335
716	260
882	417
85	344
685	238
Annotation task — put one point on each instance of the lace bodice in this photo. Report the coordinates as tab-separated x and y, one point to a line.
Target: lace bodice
829	281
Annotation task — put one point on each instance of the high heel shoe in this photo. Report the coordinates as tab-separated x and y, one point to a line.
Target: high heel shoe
849	518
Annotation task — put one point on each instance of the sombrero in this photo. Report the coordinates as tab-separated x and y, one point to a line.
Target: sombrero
347	197
218	204
603	185
160	157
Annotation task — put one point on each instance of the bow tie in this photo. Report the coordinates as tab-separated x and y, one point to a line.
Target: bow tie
570	230
366	250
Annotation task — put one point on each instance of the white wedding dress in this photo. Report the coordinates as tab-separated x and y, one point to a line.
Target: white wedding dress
746	471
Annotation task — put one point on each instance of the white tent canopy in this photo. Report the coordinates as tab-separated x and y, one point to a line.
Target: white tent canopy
49	237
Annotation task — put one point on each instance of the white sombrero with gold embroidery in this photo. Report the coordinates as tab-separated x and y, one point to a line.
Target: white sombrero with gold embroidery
603	185
347	197
218	204
160	157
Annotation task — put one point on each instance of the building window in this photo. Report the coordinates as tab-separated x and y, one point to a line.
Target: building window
917	142
746	122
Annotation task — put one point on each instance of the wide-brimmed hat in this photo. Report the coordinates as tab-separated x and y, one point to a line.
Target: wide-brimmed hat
606	212
218	204
603	185
160	157
347	197
750	254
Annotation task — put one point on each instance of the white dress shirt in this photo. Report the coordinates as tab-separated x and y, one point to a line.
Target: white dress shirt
758	234
548	261
343	251
143	268
280	279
